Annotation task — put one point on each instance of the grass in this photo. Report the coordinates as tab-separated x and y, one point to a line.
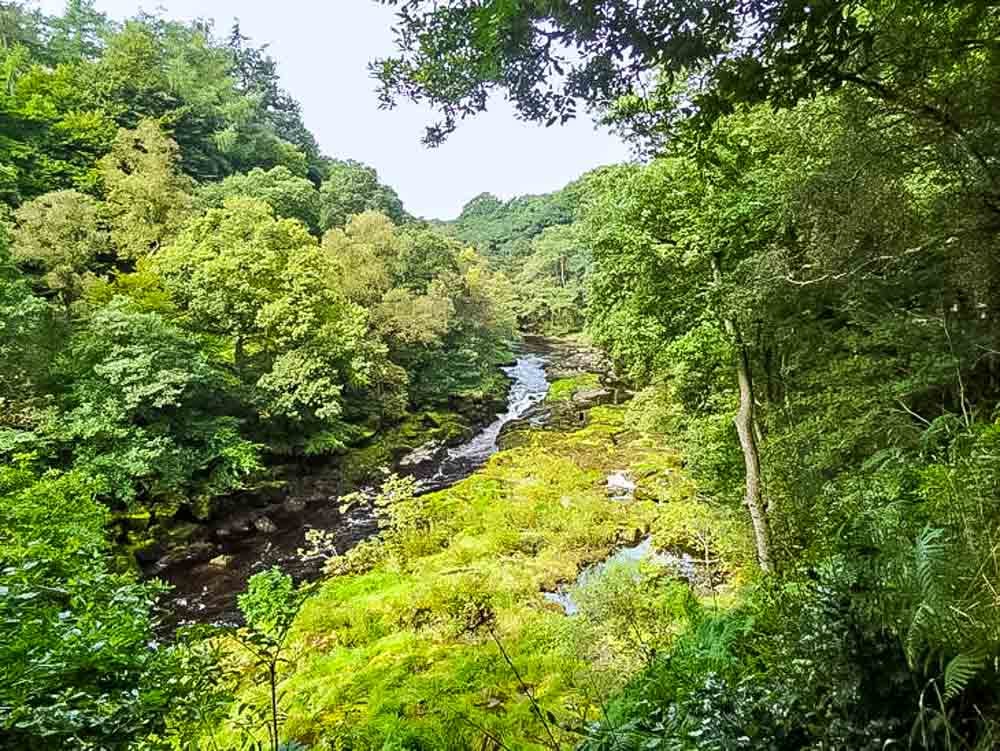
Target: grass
398	656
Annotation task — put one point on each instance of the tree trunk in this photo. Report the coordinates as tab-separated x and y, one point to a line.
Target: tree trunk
746	428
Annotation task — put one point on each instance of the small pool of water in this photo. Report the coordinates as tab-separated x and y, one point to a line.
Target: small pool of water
631	557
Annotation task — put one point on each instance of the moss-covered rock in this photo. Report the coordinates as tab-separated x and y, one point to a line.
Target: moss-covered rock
362	464
564	389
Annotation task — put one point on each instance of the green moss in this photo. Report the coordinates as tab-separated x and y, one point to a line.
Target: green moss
134	519
448	426
398	657
564	388
360	464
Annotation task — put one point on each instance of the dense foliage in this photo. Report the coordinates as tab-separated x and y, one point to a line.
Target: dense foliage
173	326
538	241
821	272
799	283
82	665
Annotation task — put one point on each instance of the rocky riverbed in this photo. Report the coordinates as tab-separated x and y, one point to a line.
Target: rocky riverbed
302	523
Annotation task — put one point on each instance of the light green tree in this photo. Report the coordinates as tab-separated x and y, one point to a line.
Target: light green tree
148	200
266	283
61	234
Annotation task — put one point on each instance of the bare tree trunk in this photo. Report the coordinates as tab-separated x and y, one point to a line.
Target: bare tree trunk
746	428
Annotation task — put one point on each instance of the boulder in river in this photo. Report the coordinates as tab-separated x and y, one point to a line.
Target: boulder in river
195	552
264	525
221	561
425	453
237	526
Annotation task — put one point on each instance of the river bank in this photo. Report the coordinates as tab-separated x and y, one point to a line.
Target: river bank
302	524
409	641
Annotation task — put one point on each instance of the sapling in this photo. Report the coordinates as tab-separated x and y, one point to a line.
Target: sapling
269	607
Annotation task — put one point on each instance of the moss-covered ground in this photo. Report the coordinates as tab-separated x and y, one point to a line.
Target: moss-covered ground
564	388
402	650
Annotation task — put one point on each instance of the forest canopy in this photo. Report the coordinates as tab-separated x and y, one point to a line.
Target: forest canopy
180	323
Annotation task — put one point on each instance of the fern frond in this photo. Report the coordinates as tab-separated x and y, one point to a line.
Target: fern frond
920	626
927	554
960	670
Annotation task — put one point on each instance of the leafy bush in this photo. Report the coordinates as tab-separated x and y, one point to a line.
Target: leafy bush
83	667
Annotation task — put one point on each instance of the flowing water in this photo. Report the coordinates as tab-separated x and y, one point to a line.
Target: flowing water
206	591
528	387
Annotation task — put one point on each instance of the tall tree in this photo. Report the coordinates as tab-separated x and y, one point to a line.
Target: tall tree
61	233
351	188
266	284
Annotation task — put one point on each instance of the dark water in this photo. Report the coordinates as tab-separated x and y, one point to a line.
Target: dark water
206	591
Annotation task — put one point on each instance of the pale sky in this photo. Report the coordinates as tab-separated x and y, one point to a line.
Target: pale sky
323	48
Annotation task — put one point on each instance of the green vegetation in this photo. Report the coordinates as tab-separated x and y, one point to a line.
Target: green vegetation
538	241
175	326
404	646
807	256
77	639
565	388
798	281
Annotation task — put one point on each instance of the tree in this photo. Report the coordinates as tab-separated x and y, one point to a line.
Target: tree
148	200
363	252
352	188
52	134
551	288
503	231
61	233
269	606
27	337
145	415
289	196
444	316
257	78
79	33
550	57
266	284
662	241
78	640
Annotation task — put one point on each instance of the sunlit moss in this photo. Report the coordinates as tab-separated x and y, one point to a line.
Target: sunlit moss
564	388
392	658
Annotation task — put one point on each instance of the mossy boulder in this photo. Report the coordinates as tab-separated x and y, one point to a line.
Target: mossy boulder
564	389
386	449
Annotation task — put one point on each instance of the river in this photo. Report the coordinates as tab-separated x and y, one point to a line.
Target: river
206	591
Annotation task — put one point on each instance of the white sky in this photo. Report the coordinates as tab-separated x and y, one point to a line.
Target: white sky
323	48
